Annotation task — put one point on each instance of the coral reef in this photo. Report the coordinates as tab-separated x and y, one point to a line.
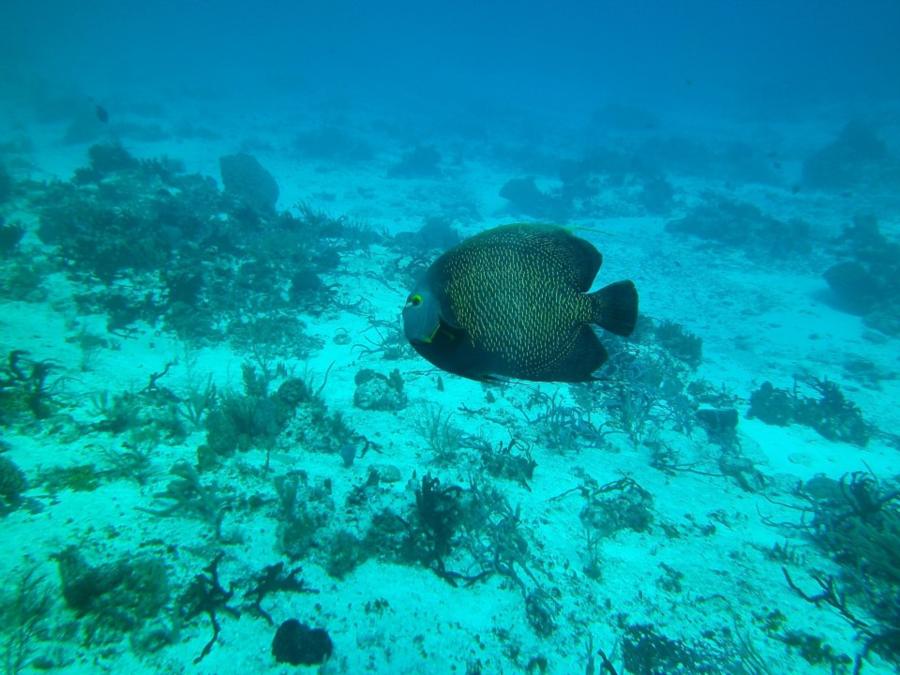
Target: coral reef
679	342
118	597
10	236
208	261
829	413
857	157
867	281
197	414
744	226
437	232
525	198
656	195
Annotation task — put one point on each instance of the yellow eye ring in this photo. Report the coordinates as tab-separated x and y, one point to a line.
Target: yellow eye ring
415	299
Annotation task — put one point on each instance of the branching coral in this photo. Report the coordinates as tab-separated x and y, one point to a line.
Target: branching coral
24	611
24	387
197	402
206	595
856	521
441	435
621	504
503	461
559	427
303	509
644	389
273	579
189	497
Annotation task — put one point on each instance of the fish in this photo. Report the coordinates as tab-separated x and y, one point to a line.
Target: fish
513	302
101	113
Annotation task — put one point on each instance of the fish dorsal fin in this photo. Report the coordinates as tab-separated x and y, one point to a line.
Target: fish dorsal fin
586	262
576	256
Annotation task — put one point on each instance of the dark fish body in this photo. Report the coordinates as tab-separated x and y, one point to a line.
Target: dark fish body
101	113
514	302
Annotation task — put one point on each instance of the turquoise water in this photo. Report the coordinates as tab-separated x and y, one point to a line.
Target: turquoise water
219	452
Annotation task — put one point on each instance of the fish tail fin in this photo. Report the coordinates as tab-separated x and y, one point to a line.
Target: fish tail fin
615	307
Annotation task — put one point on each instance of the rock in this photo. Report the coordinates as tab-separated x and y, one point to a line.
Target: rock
375	391
244	177
387	473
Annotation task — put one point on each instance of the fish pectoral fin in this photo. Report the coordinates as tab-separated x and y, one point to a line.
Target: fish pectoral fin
453	332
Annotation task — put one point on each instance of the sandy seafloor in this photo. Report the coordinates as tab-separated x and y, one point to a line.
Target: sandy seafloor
760	320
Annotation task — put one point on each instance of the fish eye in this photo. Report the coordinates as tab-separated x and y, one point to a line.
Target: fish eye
415	300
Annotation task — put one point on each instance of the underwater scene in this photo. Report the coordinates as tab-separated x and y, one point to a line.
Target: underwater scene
450	337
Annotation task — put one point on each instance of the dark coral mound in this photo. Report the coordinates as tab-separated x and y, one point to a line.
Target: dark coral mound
867	281
744	226
298	644
6	185
12	484
422	161
857	157
117	597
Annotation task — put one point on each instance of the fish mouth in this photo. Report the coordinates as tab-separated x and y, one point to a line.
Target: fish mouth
423	338
428	339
